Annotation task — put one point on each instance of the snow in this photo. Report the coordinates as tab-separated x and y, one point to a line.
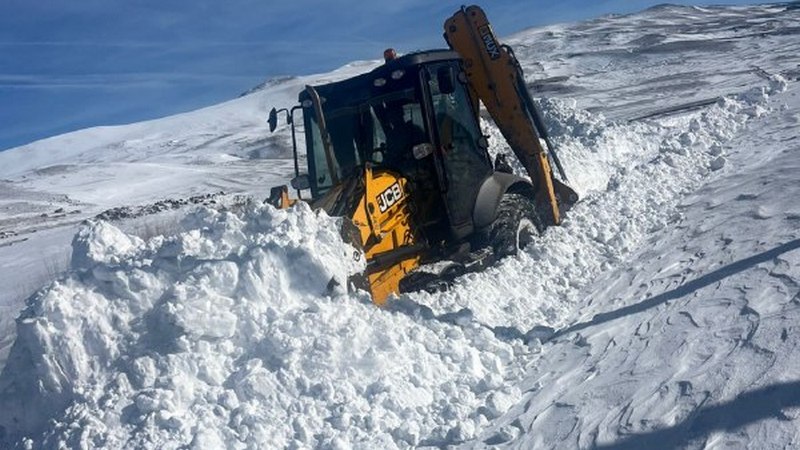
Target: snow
229	328
662	314
691	342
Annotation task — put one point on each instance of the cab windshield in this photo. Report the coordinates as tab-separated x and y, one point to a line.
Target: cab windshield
382	131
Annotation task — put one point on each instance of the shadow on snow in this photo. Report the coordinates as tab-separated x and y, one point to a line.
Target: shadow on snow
683	290
749	407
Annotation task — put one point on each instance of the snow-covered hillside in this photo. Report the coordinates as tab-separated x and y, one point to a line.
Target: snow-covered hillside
662	314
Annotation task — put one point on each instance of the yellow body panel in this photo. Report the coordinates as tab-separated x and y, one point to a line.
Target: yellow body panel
279	197
383	218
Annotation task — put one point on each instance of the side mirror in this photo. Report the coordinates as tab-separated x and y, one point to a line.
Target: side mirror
446	78
301	182
273	120
422	150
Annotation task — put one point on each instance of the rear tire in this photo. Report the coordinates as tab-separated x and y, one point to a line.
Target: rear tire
516	225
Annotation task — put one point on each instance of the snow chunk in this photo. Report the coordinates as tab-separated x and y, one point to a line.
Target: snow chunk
718	163
100	242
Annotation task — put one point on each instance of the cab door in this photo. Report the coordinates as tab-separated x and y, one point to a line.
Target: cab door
466	163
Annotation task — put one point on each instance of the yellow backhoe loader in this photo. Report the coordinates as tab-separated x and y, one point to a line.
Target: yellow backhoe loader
400	153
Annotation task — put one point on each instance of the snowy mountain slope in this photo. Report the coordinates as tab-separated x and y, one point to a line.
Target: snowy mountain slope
226	147
672	284
628	66
211	148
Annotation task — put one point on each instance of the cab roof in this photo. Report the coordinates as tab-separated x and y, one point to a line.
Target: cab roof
361	88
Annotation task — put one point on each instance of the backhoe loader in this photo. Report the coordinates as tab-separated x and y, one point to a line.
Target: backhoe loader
399	152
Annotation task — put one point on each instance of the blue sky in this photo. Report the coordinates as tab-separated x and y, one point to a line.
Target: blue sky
71	64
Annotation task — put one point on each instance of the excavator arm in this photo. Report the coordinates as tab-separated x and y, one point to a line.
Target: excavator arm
495	77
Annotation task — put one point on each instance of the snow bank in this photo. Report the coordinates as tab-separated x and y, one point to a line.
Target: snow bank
223	336
631	177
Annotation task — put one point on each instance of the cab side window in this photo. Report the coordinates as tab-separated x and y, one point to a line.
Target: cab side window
465	163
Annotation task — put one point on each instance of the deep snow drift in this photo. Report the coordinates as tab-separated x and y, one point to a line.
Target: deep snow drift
661	314
224	334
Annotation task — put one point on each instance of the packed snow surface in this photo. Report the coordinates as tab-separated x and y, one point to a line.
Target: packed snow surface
662	314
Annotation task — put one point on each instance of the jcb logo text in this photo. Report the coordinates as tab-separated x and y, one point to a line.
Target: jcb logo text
389	197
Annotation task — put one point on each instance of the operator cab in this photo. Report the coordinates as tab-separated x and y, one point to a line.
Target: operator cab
412	115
